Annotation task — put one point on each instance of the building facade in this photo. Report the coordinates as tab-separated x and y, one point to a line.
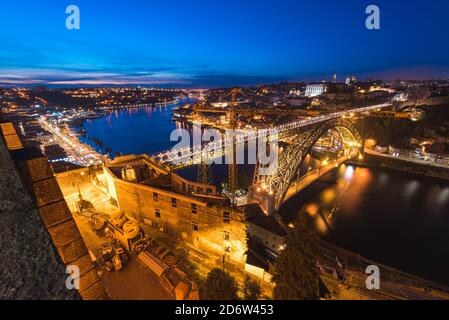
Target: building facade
315	90
191	213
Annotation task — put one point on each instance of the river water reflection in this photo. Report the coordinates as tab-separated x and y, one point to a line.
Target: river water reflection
134	131
395	218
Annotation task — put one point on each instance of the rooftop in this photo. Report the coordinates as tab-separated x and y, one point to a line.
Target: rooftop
256	217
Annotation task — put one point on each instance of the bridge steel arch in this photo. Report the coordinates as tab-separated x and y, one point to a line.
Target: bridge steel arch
292	158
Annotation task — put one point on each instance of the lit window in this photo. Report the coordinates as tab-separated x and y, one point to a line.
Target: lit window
226	236
226	217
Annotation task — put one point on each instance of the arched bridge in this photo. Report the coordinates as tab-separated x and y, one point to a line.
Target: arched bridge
270	191
191	155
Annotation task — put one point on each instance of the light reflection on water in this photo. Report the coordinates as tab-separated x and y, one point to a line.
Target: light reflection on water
133	131
391	217
349	172
443	197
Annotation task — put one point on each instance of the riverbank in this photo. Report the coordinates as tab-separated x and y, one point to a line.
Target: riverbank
83	154
394	284
142	105
389	163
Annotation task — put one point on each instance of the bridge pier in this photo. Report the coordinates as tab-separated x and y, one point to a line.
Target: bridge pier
263	198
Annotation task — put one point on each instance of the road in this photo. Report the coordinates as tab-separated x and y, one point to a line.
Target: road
315	174
440	164
133	282
83	154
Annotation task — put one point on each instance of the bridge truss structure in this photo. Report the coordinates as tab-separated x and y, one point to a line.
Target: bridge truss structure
183	157
290	160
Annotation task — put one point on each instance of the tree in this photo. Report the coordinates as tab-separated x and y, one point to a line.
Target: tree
220	285
251	289
295	274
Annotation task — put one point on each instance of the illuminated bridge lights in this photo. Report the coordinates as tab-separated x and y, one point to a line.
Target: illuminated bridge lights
189	156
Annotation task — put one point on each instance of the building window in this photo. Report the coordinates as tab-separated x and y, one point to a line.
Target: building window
174	203
155	196
226	236
195	226
194	208
157	212
226	217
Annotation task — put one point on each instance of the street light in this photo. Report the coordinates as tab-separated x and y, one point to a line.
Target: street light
322	163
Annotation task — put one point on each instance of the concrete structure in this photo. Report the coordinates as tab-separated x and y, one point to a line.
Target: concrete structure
350	80
271	191
39	237
295	92
265	230
314	90
192	213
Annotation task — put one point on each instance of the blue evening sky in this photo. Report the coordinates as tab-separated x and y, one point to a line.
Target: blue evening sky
198	43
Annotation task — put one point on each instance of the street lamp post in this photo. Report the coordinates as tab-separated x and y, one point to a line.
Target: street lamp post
224	256
322	163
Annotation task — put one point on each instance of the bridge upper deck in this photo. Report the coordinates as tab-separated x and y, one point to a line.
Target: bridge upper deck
191	155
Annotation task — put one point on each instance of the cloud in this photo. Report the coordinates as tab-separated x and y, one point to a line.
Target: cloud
83	77
72	75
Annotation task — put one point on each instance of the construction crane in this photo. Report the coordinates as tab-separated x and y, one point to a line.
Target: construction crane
204	175
232	166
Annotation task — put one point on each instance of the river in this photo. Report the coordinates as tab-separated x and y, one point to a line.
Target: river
397	219
133	131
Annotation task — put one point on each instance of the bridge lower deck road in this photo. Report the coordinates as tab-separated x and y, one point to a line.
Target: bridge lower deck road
316	174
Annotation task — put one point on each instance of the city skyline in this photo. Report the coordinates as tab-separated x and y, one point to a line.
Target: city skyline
178	45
